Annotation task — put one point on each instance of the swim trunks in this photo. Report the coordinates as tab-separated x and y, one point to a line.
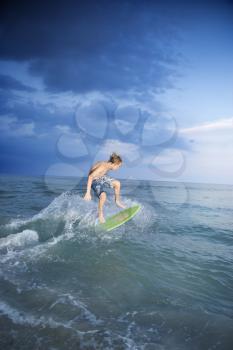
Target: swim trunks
99	185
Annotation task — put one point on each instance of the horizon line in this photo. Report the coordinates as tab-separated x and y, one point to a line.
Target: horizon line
70	176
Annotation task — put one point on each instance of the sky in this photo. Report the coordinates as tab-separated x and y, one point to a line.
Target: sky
150	80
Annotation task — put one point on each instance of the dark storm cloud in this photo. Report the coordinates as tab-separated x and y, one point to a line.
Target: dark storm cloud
93	45
25	157
9	83
45	115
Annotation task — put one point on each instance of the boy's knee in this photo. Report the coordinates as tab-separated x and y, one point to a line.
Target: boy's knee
103	195
116	183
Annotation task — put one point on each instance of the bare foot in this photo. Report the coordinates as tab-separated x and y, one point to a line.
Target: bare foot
101	219
121	205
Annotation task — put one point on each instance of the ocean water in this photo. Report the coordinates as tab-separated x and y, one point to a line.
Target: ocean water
164	280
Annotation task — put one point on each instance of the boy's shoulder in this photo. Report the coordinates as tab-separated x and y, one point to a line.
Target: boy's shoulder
97	163
100	163
99	168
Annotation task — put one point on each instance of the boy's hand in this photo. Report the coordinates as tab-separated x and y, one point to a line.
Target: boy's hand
87	197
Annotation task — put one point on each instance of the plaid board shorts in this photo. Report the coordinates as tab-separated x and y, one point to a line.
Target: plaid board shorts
99	185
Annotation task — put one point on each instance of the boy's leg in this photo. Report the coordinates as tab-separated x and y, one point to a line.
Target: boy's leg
102	199
117	186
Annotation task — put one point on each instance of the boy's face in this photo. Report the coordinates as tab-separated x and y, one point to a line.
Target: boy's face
116	166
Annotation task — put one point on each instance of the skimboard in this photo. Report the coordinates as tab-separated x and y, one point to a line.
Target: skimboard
119	218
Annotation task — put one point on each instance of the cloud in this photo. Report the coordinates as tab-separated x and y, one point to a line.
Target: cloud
129	151
44	111
9	83
214	135
63	128
210	158
104	46
10	126
217	125
71	145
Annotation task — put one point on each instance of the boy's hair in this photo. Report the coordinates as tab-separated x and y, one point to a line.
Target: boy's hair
115	158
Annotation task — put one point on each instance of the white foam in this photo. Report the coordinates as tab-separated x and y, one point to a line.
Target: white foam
22	318
20	239
67	206
71	207
75	211
145	217
69	299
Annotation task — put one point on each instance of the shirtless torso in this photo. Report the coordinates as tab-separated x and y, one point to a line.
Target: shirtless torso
99	169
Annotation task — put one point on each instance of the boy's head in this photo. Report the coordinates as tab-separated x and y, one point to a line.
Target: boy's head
116	160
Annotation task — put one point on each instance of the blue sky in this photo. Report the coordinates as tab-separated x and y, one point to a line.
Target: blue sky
151	80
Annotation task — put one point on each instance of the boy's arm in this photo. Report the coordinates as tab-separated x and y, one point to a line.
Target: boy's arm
88	192
92	173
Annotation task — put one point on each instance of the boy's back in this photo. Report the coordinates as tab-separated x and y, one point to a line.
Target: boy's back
99	169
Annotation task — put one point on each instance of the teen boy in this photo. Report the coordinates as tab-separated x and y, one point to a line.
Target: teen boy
97	180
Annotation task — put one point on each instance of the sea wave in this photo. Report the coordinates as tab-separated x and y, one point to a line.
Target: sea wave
19	239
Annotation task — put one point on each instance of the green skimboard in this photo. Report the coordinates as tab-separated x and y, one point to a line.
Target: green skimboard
119	218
